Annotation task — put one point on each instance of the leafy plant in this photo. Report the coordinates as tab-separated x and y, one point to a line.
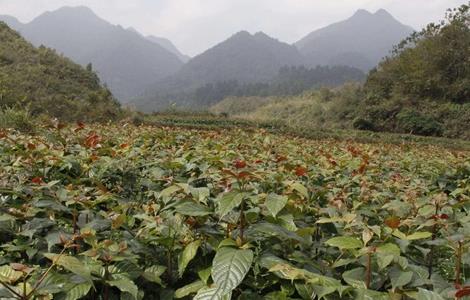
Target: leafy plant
125	212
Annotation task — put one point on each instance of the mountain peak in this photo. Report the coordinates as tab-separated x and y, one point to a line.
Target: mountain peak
360	41
79	8
383	13
242	33
362	13
71	13
261	34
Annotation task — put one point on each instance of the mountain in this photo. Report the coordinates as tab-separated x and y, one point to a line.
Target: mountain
168	45
126	61
244	57
360	41
47	83
12	22
243	65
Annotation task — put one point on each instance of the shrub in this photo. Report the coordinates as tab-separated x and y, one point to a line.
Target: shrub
412	121
363	124
19	119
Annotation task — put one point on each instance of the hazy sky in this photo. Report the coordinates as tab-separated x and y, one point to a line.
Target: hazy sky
195	25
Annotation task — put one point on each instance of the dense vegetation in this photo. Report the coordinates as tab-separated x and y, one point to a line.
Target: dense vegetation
45	83
425	86
120	212
288	81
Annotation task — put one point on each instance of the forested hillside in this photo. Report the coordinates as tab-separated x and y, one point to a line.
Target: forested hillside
44	82
422	88
290	80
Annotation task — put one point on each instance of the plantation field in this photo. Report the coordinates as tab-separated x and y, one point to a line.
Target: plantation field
152	212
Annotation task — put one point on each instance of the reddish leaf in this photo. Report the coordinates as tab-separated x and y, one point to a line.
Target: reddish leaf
123	146
31	146
243	175
463	292
92	140
19	267
300	171
392	222
80	126
239	164
37	180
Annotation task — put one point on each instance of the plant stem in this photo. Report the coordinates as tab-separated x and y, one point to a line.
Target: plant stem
431	252
106	287
74	221
41	279
242	221
11	290
458	264
368	269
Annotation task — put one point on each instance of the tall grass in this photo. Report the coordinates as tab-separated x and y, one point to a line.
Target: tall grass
17	118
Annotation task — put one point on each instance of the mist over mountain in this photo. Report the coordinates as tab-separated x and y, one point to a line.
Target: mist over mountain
126	61
151	69
168	45
360	41
244	57
244	64
12	22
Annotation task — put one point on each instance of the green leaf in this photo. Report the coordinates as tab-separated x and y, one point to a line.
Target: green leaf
125	285
427	295
211	294
305	291
200	194
322	291
78	291
228	202
170	191
383	260
275	203
355	278
189	289
71	264
7	274
400	278
419	236
205	274
230	267
389	248
153	274
270	229
414	236
187	255
344	242
193	209
300	188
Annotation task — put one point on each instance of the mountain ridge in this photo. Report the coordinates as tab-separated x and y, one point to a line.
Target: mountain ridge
367	38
